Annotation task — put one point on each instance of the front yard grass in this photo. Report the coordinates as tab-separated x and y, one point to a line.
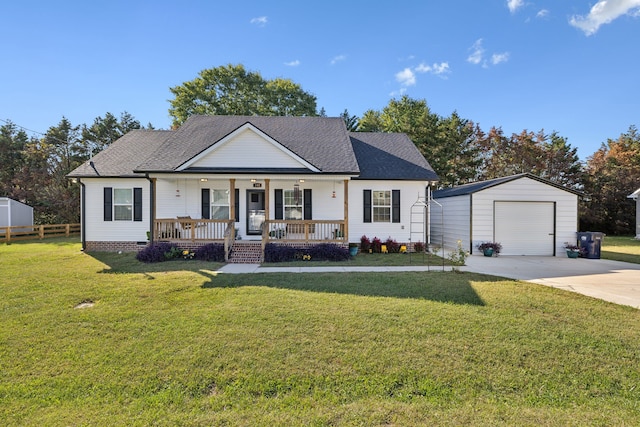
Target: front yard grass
621	248
177	344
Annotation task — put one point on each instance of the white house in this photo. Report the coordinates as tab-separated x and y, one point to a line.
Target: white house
268	179
526	214
636	196
14	213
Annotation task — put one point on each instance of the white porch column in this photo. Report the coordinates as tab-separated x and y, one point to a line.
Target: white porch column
232	198
346	210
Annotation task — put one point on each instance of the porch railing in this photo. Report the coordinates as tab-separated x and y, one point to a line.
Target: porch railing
173	229
304	231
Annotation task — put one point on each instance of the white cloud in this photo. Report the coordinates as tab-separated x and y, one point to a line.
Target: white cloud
514	5
477	56
338	58
400	92
260	21
477	52
542	14
604	12
406	77
292	63
497	58
437	69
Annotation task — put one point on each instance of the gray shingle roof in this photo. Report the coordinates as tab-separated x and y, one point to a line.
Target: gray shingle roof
474	187
321	141
123	156
390	156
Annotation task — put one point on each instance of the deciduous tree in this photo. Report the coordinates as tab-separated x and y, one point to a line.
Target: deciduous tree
232	90
613	172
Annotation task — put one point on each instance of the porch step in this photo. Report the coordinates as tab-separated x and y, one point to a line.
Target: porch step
246	252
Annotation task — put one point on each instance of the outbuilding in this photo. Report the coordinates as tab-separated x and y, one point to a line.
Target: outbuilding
14	213
526	214
636	197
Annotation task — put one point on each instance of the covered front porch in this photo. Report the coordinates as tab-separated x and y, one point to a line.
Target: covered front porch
193	211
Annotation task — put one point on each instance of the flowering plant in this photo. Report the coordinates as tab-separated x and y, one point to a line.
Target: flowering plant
187	254
497	247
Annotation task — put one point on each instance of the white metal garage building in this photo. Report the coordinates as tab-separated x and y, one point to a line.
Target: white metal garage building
526	214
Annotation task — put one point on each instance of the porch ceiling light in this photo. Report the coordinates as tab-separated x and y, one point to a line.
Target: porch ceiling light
253	180
204	179
302	180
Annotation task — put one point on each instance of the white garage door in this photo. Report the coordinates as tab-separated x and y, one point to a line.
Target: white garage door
525	228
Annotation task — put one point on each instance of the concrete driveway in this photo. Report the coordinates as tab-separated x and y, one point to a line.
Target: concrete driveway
614	281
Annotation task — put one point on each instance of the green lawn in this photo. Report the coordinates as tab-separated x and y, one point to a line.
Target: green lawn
177	344
621	248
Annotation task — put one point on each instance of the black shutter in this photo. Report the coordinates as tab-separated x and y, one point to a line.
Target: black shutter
307	214
206	204
108	204
279	205
366	197
137	204
395	206
237	205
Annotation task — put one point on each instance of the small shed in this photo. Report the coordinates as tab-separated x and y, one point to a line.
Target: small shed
636	196
14	213
528	215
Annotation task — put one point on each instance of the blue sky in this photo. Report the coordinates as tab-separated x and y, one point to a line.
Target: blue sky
569	66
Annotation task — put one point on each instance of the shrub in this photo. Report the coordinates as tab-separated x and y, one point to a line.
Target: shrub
328	252
157	252
210	252
392	246
278	253
376	245
321	252
365	244
418	247
459	255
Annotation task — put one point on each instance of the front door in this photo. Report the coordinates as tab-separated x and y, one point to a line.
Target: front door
255	211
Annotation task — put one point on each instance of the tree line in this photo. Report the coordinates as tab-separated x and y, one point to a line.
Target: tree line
33	170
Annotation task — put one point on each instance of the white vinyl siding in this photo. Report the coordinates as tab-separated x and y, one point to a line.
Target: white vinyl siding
236	150
410	191
97	229
456	224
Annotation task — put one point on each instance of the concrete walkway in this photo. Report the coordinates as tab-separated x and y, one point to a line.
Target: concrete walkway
613	281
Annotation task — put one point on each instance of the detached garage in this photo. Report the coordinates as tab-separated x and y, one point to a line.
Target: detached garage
526	214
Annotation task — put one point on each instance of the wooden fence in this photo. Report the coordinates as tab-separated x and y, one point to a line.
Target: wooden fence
31	232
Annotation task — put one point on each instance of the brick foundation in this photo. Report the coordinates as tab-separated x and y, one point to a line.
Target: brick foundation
97	246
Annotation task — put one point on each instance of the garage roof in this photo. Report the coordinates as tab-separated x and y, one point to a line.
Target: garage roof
474	187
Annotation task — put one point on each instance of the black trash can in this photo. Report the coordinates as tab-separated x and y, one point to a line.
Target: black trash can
590	243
